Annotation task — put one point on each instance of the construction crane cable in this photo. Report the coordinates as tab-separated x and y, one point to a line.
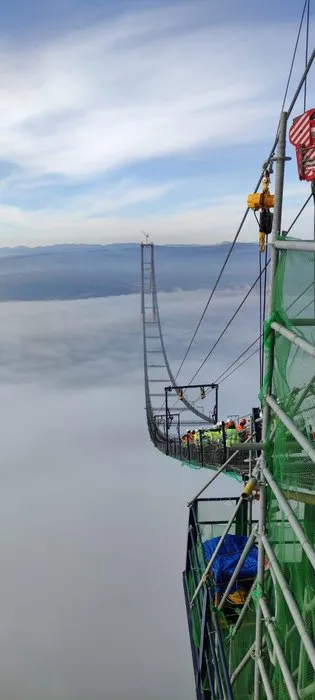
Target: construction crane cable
221	378
263	271
299	213
291	106
226	327
240	365
289	110
294	56
308	65
306	48
246	297
213	291
268	161
249	347
218	380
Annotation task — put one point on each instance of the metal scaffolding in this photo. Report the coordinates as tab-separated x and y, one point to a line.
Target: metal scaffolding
266	649
243	652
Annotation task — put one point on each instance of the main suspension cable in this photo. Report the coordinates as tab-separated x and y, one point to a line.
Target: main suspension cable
226	374
244	299
306	48
218	380
299	213
265	165
240	365
301	83
226	327
294	56
213	291
259	338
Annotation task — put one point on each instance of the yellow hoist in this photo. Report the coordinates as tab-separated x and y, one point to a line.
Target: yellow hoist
263	201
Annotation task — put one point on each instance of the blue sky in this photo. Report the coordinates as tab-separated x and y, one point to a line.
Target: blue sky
121	116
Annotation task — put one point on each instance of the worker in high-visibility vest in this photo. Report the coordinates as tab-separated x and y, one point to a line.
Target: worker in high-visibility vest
196	436
207	435
231	434
216	437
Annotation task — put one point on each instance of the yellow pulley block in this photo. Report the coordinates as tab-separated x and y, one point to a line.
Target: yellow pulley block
263	202
260	200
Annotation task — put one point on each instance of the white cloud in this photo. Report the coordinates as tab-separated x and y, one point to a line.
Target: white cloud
147	84
90	219
93	519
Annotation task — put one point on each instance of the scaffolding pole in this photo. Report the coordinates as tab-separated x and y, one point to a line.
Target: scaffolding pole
265	680
278	651
290	600
245	552
276	231
220	470
216	551
292	519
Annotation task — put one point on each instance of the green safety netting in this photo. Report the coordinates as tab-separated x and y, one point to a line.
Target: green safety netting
293	376
235	649
293	386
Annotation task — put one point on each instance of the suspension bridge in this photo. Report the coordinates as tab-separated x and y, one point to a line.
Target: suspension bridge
249	580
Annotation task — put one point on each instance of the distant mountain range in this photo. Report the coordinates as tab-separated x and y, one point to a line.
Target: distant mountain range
81	271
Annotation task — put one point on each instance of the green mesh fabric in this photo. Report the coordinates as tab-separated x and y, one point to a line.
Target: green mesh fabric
198	567
235	649
301	579
194	465
293	385
293	379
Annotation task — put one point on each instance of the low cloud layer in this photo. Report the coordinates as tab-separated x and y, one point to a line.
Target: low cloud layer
98	341
93	518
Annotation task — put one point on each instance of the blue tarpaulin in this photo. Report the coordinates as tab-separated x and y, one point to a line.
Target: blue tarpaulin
226	560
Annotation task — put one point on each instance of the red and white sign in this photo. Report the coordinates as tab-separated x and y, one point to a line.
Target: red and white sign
302	136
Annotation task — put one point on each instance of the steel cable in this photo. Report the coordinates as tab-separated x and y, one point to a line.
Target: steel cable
302	82
263	271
